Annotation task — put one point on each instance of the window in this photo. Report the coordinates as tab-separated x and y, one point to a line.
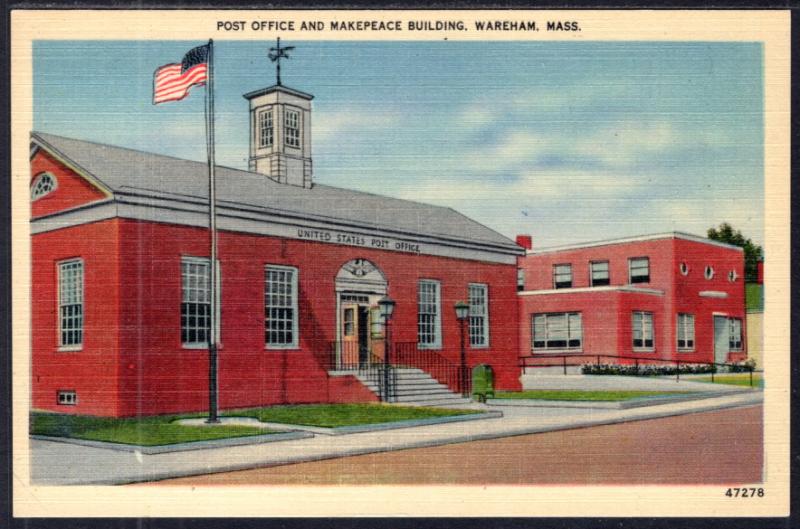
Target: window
66	397
520	279
70	303
196	302
478	315
292	126
684	268
733	276
562	276
280	307
429	322
349	321
685	332
709	272
265	128
735	334
639	270
643	331
599	273
557	331
45	183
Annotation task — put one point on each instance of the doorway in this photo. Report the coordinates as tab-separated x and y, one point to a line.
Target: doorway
356	322
721	339
359	339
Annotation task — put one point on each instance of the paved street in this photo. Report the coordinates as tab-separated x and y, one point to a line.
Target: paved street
58	463
718	447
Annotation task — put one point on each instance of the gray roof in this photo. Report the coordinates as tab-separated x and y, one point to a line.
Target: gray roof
130	171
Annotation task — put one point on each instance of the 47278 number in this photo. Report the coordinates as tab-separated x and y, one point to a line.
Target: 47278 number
745	492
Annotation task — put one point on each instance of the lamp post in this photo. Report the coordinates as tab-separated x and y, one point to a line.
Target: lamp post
462	313
386	305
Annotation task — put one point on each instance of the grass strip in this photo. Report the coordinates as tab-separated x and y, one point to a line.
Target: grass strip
336	415
578	395
740	379
143	431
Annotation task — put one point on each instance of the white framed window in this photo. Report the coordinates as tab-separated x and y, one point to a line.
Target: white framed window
557	332
280	307
684	268
639	270
70	304
685	332
562	276
196	302
733	276
709	272
44	184
735	334
429	314
599	273
66	397
643	331
292	127
265	128
520	279
478	315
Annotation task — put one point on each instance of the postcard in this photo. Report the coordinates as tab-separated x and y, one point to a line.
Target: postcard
400	263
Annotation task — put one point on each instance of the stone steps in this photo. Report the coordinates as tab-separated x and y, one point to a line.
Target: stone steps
415	387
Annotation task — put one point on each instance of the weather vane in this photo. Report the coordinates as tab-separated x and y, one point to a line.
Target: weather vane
275	55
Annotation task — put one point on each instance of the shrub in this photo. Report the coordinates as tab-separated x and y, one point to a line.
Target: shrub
742	367
646	370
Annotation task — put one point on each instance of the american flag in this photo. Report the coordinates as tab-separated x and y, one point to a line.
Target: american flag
172	82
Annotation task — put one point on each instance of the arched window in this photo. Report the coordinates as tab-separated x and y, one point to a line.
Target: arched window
45	183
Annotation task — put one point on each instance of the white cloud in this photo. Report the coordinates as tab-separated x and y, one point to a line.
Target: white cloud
332	125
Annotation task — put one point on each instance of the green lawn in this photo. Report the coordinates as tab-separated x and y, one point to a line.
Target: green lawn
734	379
145	431
613	396
162	430
335	415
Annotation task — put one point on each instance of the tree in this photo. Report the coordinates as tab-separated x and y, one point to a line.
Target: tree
752	252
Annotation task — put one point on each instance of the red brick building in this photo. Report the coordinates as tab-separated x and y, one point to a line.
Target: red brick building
666	296
121	297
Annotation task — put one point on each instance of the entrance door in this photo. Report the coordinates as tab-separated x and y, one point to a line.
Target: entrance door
355	335
349	351
363	335
721	339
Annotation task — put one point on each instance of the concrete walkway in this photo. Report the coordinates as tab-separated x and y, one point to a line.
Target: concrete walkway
623	383
67	464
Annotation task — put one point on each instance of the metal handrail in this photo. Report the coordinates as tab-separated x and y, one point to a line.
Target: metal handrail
648	359
444	370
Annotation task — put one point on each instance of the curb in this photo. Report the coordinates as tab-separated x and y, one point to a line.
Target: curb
180	447
607	405
345	430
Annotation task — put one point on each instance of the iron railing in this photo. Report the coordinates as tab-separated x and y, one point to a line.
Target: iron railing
447	372
348	356
567	360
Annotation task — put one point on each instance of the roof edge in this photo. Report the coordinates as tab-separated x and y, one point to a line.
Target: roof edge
277	88
636	238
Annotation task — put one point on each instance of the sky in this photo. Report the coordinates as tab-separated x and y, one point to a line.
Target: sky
565	141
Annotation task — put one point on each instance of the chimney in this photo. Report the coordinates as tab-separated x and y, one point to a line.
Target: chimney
526	241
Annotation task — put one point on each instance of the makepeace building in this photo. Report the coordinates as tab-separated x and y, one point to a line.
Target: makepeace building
121	298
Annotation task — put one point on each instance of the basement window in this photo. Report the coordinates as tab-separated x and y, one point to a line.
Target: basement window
67	397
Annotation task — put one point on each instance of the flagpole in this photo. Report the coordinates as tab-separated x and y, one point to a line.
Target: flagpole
213	385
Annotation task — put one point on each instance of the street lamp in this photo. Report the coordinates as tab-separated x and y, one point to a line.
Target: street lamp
386	306
462	313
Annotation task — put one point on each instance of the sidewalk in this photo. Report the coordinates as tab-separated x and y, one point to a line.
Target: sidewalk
67	464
